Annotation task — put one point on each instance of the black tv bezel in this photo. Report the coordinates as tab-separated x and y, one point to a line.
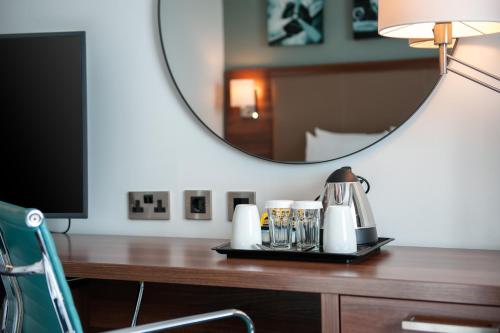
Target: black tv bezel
83	54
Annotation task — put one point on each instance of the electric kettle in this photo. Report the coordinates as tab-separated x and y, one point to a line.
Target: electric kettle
344	188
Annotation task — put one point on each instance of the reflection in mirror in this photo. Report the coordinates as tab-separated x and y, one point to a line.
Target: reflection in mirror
293	80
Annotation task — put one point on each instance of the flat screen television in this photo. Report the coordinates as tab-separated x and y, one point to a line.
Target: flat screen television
43	128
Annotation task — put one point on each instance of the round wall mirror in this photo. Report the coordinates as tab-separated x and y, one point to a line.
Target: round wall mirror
294	81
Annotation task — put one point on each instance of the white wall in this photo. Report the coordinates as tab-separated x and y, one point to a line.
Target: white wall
435	180
198	54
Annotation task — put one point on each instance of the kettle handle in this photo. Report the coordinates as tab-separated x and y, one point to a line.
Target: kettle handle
363	180
322	192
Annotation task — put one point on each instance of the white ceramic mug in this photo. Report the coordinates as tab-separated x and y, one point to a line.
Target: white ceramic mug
246	227
339	234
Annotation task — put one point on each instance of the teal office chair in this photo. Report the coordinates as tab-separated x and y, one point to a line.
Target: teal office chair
38	298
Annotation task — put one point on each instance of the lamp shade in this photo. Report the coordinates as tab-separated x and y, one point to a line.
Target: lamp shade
242	92
416	18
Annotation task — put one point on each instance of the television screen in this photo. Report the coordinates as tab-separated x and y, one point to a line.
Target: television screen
43	148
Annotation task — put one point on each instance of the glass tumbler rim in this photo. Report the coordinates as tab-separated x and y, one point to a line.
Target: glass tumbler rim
278	204
313	205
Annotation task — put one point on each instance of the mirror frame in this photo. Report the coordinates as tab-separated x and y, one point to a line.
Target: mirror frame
164	52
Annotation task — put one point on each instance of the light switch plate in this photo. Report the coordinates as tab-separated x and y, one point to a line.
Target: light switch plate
149	205
234	198
198	205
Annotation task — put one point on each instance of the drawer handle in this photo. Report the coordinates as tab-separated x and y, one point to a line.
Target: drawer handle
421	324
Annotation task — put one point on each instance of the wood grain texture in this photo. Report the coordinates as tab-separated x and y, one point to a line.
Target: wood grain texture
110	304
430	274
330	313
362	314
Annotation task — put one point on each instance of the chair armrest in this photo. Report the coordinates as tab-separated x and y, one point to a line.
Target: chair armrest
9	270
188	321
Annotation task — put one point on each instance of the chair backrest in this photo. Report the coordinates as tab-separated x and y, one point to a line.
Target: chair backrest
39	302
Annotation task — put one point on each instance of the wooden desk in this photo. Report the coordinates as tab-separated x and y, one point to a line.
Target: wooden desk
401	274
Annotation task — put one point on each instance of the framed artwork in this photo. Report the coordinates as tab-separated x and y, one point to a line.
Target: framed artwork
295	22
365	19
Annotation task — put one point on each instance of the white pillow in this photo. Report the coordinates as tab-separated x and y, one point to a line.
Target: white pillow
321	133
314	150
327	145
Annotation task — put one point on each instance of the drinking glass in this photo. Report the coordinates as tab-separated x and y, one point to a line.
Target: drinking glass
306	216
280	223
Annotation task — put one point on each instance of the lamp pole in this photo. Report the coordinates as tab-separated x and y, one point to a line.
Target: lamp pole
443	37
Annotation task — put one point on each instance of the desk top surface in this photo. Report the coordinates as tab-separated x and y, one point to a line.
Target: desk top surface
452	275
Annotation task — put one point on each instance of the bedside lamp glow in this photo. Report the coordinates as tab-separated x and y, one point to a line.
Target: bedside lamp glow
440	21
242	95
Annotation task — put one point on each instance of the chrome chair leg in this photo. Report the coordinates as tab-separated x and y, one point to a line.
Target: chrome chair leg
138	304
36	268
5	309
190	320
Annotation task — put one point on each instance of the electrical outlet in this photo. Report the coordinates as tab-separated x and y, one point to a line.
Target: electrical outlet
236	198
198	205
149	205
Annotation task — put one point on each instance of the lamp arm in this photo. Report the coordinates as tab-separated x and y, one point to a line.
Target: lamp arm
482	71
494	76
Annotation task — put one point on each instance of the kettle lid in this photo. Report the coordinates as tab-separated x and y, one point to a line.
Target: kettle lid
342	175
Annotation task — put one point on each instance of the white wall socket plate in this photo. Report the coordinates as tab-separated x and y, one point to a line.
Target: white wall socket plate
235	198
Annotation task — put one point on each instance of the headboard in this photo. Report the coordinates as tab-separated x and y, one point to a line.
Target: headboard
349	98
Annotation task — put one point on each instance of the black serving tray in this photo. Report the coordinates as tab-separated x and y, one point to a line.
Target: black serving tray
363	252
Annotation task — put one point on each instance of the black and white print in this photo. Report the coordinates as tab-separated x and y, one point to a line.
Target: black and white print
365	19
295	22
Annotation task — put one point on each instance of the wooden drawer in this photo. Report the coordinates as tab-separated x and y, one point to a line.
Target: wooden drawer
364	314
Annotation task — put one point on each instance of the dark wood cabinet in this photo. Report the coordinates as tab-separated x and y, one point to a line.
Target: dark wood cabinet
104	305
378	315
